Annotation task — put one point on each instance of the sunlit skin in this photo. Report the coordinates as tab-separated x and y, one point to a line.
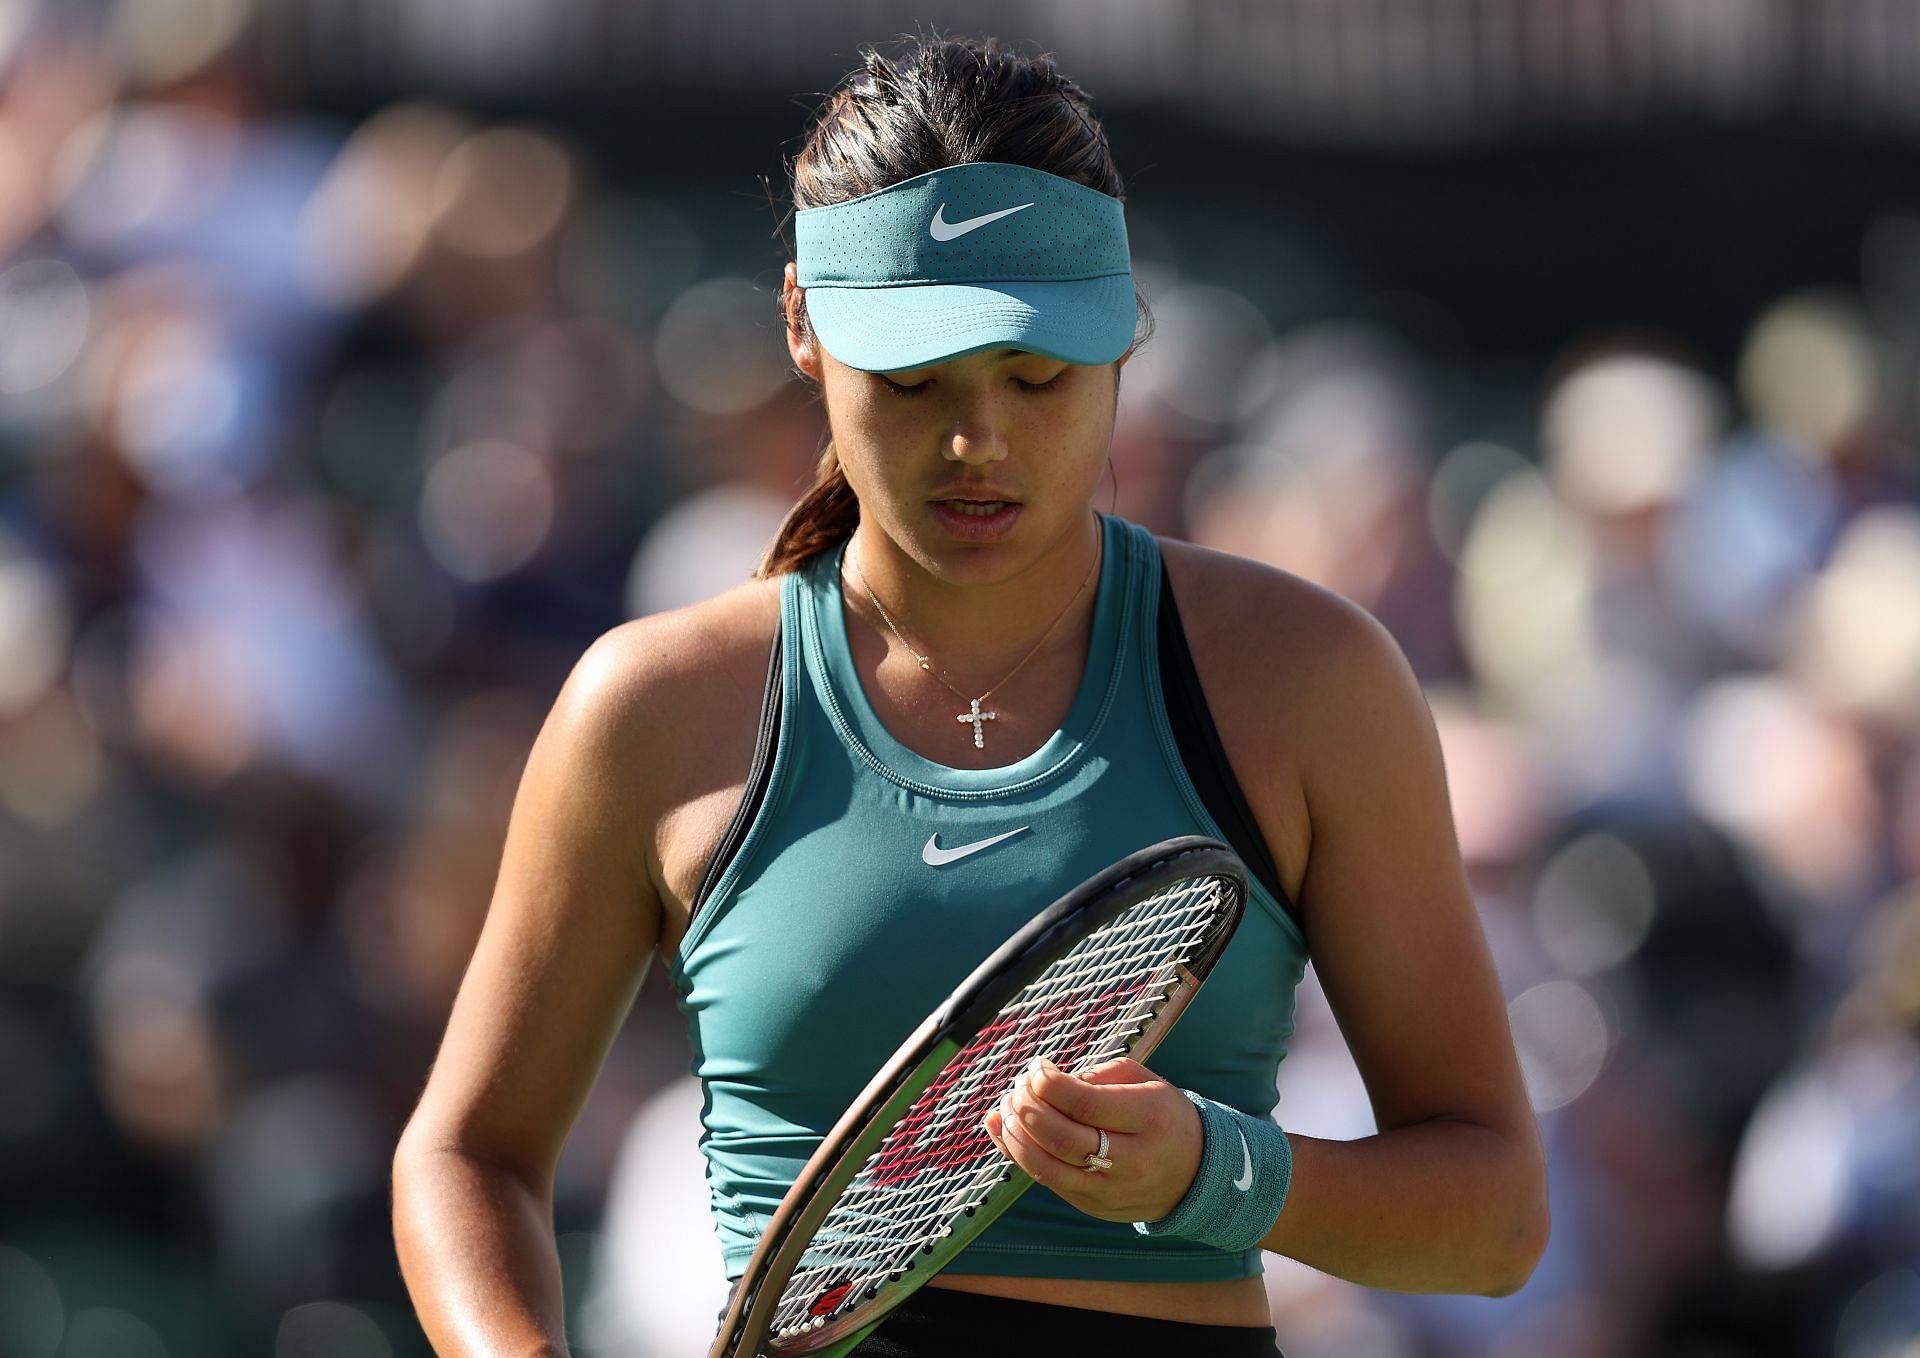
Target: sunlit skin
628	790
1012	425
1003	424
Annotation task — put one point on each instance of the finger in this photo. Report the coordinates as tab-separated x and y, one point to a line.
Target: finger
1104	1195
1055	1132
991	1122
1121	1070
1012	1125
995	1125
1129	1107
1038	1164
1042	1165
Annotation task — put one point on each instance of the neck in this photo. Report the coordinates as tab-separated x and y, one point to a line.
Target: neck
973	633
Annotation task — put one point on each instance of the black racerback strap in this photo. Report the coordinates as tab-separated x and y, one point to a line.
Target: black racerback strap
759	774
1203	754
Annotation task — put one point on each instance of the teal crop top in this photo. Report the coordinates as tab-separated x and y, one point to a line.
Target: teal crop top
822	938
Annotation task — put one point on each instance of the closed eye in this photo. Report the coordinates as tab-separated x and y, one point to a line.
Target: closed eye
920	387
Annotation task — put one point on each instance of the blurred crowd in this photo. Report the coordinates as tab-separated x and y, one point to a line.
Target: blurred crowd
326	448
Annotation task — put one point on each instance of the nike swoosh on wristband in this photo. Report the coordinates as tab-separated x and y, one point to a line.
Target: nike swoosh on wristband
942	229
1245	1181
936	857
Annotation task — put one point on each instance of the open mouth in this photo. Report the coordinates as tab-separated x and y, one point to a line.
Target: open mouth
977	520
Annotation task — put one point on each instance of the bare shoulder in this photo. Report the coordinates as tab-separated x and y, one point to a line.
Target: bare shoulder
683	690
682	657
1285	657
578	907
1340	751
656	713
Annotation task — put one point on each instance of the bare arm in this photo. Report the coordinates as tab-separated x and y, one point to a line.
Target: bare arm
572	924
1451	1194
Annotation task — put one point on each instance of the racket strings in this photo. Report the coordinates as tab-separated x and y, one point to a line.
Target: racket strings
938	1165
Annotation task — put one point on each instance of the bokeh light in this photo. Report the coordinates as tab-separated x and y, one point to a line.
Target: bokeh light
160	41
35	624
45	313
717	350
486	508
367	223
1860	644
501	192
1594	904
1562	1037
707	543
109	1332
363	362
1628	431
1809	370
330	1329
1526	582
33	1318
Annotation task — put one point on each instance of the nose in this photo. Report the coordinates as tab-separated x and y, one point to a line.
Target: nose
978	435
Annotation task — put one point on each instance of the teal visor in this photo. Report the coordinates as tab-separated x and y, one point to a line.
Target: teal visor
970	257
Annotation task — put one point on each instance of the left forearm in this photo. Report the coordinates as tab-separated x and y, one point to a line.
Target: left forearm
1439	1206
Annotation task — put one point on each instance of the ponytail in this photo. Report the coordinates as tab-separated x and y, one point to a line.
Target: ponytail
827	514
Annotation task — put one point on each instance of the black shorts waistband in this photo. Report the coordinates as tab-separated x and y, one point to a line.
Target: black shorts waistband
938	1322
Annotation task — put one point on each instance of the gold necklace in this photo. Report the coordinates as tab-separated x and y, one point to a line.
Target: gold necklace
974	715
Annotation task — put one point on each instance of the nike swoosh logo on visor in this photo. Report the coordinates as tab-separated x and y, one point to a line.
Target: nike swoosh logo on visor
1245	1181
942	229
936	857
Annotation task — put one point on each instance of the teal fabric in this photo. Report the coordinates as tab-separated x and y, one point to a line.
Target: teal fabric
827	939
1246	1167
1039	263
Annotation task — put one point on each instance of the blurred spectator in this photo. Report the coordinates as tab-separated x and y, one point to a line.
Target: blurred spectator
340	410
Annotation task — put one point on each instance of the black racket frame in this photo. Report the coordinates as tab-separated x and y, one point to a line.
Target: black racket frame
973	1005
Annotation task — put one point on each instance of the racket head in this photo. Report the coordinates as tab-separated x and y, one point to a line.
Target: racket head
1193	888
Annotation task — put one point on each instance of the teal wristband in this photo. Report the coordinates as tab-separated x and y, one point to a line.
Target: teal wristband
1246	1164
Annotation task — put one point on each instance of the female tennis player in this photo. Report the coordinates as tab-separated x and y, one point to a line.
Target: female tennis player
955	690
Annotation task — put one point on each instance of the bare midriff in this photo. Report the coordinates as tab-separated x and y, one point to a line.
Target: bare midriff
1240	1301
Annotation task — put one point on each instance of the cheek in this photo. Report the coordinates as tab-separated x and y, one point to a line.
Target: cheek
860	440
869	423
1081	437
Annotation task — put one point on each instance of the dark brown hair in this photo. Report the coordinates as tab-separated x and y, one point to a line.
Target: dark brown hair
937	102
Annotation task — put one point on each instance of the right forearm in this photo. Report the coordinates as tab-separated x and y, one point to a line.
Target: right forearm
477	1251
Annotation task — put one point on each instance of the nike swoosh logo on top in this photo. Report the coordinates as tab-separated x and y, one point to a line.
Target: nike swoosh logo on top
942	229
1245	1181
936	857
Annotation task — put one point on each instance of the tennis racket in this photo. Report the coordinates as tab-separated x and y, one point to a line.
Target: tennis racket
908	1176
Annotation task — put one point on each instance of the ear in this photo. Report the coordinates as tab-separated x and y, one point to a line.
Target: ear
801	347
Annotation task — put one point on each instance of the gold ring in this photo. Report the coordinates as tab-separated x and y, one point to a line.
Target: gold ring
1097	1159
